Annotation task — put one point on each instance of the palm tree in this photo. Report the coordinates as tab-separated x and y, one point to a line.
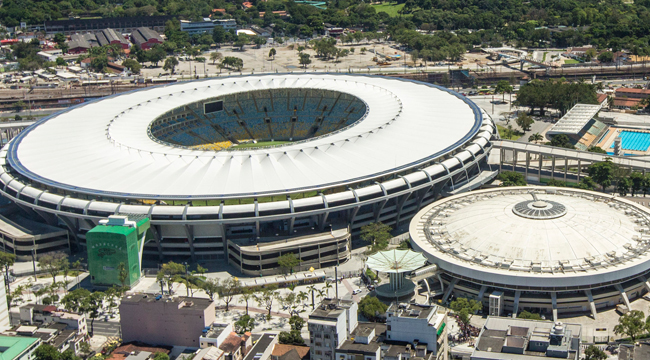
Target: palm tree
302	297
535	137
312	288
328	286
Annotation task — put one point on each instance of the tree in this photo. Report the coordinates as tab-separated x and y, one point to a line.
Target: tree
304	59
168	272
170	64
211	287
529	315
594	353
246	295
596	149
99	63
371	307
561	140
85	349
296	322
511	178
503	87
156	54
266	297
52	263
465	308
219	35
377	234
60	62
636	179
85	302
7	260
287	262
241	41
228	289
215	56
623	186
122	274
587	183
161	356
244	324
47	352
602	172
606	57
272	53
59	38
232	62
132	65
292	337
632	324
535	137
524	121
259	41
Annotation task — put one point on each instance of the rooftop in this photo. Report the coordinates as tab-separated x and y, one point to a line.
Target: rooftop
281	349
396	261
124	351
188	302
411	310
12	346
260	346
231	343
329	309
575	119
364	329
598	235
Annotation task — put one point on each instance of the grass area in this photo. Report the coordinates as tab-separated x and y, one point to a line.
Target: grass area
571	61
544	58
516	134
261	144
389	8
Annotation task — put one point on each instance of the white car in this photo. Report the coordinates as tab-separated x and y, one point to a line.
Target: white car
357	291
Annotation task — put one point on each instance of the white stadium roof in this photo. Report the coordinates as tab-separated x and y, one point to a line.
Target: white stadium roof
575	119
601	238
103	147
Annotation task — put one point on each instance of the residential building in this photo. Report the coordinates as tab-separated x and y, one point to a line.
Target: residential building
365	343
329	326
521	339
121	24
263	347
206	25
146	38
165	320
215	334
290	352
110	36
412	323
262	31
36	314
235	347
55	334
18	347
625	98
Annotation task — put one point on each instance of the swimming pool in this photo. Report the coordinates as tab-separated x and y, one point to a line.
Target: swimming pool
634	140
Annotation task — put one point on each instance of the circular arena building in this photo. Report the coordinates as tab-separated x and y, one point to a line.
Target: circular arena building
541	249
247	168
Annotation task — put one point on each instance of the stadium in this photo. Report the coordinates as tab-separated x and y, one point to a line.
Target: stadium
247	168
541	249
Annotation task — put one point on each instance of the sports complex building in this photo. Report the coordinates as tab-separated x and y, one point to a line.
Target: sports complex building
541	249
248	168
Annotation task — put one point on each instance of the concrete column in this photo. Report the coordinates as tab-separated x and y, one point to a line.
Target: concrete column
591	303
515	308
579	169
481	292
514	159
624	296
527	164
449	290
566	167
553	167
500	160
539	170
554	303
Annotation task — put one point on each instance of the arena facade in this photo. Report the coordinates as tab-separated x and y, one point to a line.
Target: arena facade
542	249
247	168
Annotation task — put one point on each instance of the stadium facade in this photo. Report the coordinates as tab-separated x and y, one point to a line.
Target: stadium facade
541	249
335	152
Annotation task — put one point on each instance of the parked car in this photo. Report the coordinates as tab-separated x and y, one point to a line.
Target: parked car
357	291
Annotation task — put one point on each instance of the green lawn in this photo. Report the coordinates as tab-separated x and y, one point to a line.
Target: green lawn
390	8
502	132
571	61
261	144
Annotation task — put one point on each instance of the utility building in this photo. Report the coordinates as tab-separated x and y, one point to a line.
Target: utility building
116	240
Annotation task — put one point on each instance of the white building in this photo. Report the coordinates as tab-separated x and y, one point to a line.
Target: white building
329	326
4	309
215	335
415	324
365	343
206	25
42	314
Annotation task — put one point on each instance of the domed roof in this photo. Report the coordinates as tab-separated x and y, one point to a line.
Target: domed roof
396	261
